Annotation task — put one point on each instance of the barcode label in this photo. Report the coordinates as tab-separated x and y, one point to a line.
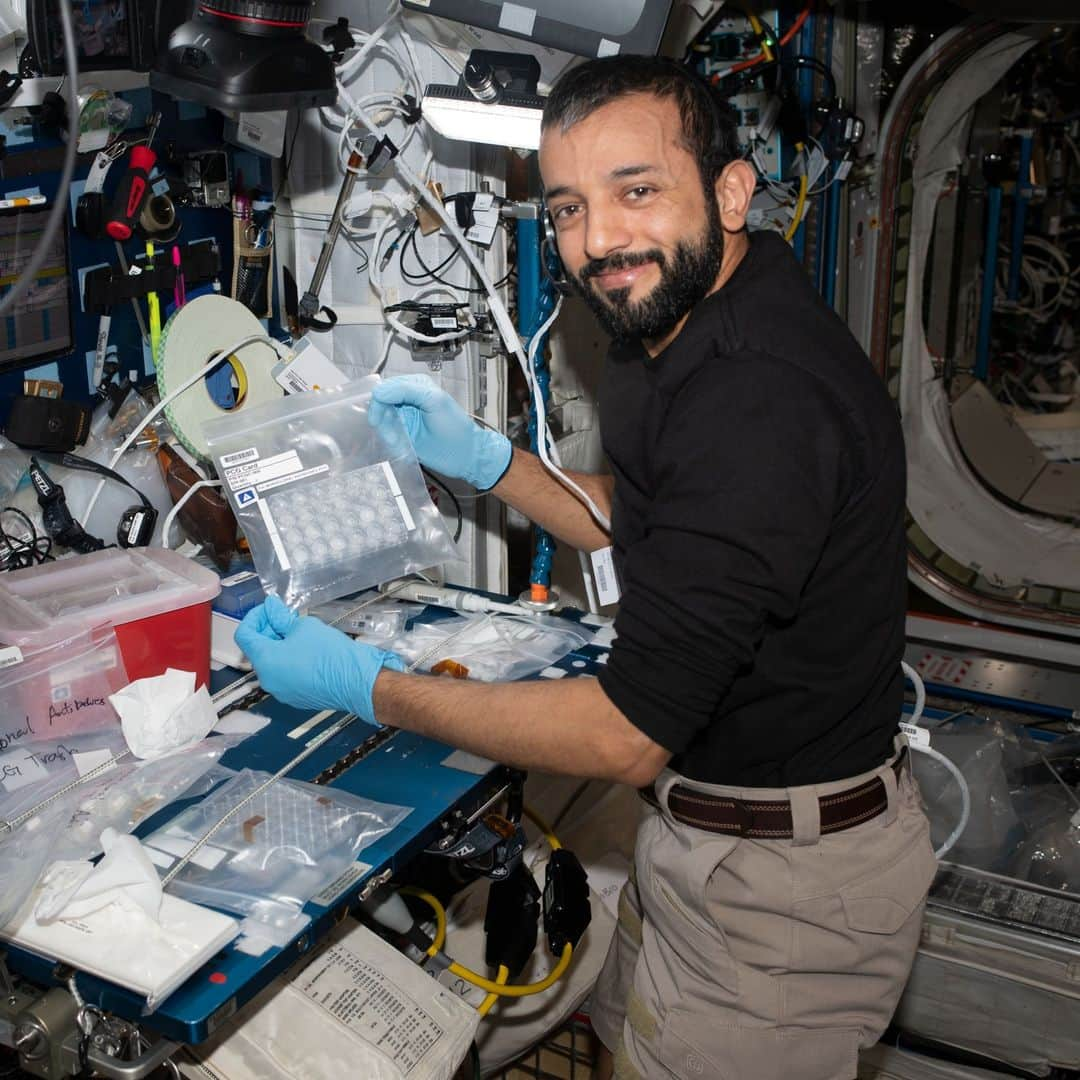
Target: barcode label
607	583
250	454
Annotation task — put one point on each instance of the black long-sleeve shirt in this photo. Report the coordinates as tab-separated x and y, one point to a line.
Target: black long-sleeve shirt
758	528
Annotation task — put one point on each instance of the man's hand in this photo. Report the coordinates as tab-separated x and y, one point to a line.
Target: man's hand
444	436
307	664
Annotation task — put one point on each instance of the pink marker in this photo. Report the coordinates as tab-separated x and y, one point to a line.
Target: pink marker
179	291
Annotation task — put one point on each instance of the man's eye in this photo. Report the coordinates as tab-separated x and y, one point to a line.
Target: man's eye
563	212
640	191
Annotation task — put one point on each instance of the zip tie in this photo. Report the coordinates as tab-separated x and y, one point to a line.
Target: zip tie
26	815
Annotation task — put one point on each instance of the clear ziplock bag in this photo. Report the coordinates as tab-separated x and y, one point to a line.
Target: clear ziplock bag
41	832
328	506
30	774
62	688
284	846
489	647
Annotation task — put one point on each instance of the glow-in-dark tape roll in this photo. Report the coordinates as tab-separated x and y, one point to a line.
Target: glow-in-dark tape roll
191	338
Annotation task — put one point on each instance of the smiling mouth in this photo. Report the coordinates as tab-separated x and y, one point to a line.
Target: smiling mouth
622	278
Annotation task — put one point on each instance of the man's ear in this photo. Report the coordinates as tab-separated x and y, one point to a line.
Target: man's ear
734	190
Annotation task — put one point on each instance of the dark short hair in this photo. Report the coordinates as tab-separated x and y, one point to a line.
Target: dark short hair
709	123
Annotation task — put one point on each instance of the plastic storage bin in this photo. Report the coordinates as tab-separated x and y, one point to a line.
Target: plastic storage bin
157	601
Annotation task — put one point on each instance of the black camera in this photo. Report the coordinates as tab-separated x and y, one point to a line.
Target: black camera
110	34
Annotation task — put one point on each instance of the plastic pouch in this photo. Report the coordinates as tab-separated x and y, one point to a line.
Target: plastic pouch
378	620
328	507
59	689
489	647
275	854
131	792
31	774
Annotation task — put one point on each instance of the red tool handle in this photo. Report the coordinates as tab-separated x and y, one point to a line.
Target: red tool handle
131	195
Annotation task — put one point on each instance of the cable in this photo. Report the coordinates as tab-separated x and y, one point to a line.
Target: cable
755	22
822	69
792	30
544	827
59	209
170	517
489	1001
800	204
498	308
920	691
965	796
152	415
941	759
453	498
23	552
440	915
517	990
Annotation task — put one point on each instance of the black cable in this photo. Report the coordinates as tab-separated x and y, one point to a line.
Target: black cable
286	163
23	553
474	1057
453	498
822	69
433	274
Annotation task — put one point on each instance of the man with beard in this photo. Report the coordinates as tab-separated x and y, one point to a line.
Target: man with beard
754	687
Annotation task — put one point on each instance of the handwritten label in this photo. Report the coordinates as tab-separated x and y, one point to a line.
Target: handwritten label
74	705
9	737
18	769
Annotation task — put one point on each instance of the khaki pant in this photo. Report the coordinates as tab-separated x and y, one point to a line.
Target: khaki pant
764	959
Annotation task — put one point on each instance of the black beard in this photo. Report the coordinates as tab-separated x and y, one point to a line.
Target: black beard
684	282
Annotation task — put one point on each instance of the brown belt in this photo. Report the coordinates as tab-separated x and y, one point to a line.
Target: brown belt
772	820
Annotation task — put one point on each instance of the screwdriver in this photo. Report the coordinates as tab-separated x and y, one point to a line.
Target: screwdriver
135	186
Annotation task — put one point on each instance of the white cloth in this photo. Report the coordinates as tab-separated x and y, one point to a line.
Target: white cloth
125	876
164	713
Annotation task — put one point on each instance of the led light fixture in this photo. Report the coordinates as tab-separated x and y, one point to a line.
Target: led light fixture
246	56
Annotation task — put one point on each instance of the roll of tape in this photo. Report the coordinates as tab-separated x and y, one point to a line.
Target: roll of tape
191	338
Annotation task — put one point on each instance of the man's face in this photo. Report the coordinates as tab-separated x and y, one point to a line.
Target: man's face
640	240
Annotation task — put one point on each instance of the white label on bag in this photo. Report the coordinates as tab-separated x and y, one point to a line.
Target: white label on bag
10	656
258	472
917	736
269	485
275	536
395	490
19	769
607	582
330	895
236	579
88	760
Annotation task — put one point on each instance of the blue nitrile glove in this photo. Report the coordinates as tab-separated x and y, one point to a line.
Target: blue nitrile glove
444	436
307	664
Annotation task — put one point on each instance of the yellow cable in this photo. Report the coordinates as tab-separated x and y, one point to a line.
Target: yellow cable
800	204
544	827
517	991
440	915
755	22
489	1001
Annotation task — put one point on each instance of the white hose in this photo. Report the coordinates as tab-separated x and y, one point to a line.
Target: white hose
920	690
949	765
170	517
965	795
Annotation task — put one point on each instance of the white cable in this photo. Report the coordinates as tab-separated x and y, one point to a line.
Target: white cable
168	400
920	690
965	795
170	517
938	756
498	309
